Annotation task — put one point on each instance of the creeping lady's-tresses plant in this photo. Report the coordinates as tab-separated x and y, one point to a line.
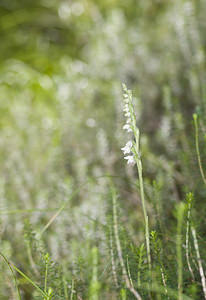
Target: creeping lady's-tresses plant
132	155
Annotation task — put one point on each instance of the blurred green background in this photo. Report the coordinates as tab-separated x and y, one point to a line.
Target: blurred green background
61	68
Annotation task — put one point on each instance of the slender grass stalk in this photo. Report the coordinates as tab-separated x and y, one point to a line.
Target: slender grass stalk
46	295
129	273
119	249
30	281
141	184
46	258
201	271
13	274
189	199
142	194
180	216
197	148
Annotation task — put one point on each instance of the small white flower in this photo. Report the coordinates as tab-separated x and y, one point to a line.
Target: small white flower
126	108
127	114
127	127
127	148
126	100
130	159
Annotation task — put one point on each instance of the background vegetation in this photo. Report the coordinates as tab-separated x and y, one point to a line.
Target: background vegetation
61	166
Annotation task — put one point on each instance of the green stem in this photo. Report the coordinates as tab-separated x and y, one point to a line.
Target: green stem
180	215
30	281
142	195
12	271
45	280
197	147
